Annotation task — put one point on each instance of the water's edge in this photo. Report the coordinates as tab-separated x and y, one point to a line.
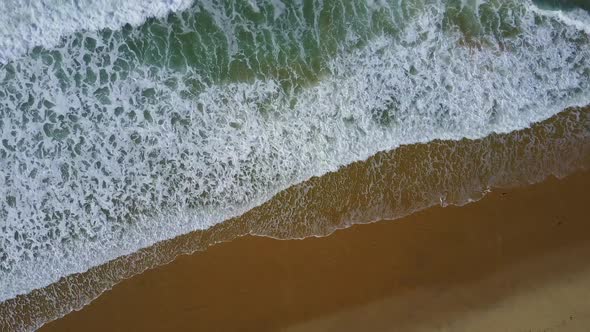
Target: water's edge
388	185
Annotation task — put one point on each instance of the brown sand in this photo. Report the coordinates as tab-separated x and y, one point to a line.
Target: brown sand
515	261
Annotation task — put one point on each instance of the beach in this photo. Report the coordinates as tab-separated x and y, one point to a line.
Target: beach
277	165
514	261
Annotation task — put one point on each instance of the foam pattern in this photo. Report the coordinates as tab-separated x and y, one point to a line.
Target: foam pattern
25	24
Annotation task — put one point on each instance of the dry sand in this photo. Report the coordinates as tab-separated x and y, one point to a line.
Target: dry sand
517	260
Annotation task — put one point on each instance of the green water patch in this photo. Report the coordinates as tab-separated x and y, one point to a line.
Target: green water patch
483	24
563	4
215	43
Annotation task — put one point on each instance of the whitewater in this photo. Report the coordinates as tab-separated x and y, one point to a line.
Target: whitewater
126	123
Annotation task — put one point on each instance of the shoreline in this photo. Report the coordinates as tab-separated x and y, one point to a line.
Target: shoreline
389	185
483	252
315	165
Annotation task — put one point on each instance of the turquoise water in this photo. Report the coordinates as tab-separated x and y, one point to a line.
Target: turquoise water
118	134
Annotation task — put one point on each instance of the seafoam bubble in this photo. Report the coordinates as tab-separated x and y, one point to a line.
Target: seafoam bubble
104	153
26	24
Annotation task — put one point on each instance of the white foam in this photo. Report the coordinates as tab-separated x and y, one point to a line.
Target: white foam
578	18
247	141
25	24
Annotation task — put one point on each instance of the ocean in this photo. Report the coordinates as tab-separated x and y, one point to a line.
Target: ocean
127	123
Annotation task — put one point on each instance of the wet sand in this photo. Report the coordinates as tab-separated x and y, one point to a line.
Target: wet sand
516	260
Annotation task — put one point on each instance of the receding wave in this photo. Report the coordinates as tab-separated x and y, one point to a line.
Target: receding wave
114	140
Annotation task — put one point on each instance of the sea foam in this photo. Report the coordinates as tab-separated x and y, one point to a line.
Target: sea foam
30	23
578	18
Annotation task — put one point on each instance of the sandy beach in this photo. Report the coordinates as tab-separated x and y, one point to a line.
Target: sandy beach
513	261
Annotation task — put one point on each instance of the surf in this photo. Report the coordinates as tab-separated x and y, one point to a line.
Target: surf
29	24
